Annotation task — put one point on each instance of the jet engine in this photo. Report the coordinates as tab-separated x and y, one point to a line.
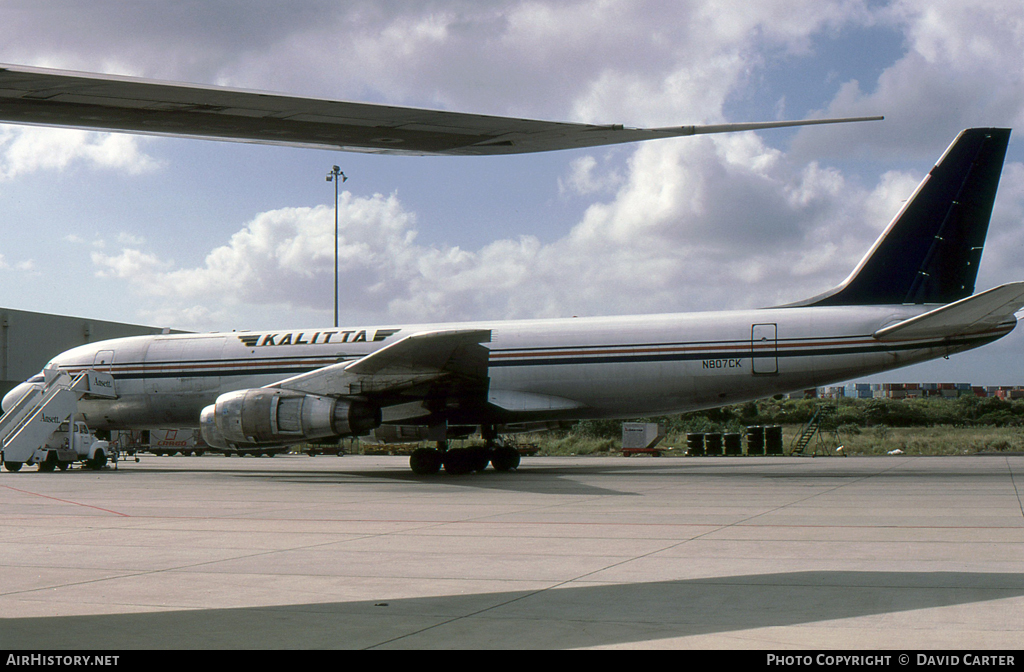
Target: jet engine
268	416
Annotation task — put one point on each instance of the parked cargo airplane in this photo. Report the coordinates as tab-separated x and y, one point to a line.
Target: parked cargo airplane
909	300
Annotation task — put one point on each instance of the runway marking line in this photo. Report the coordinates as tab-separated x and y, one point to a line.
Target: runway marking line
67	501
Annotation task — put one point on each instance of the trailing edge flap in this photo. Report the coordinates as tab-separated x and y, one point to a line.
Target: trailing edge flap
510	400
974	314
450	351
414	359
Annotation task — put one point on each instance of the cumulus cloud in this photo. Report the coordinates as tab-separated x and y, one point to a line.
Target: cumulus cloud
584	179
962	67
27	149
661	243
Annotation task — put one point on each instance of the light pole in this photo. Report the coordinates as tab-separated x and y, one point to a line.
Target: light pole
333	177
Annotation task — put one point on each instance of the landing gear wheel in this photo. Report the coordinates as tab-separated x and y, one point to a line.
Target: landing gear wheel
12	466
425	461
505	458
458	461
466	460
480	457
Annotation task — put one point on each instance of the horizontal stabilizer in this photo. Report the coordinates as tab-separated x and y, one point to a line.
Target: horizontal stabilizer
129	104
975	314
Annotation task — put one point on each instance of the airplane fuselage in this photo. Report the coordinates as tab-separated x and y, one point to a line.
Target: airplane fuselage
574	368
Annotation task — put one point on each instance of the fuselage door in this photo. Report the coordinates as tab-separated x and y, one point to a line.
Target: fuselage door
103	361
764	353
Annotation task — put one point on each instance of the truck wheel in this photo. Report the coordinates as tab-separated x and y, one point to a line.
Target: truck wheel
12	466
98	461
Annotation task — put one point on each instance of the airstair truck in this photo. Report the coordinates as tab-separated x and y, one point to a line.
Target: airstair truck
40	428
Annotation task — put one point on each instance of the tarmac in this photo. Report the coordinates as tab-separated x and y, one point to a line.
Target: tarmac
356	552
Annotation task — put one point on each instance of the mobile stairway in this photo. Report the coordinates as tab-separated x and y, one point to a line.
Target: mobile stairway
823	421
40	428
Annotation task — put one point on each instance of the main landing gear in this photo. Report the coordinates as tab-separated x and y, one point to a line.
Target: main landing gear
464	460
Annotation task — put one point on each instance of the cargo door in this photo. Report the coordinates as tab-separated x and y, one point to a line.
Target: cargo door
163	366
202	356
184	365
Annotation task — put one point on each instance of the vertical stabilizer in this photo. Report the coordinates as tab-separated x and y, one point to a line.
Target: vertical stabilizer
930	252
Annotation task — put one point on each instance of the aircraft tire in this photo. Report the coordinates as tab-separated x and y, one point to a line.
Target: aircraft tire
12	466
505	458
458	461
424	461
480	457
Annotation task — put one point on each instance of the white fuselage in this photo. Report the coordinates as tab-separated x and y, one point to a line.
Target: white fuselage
606	367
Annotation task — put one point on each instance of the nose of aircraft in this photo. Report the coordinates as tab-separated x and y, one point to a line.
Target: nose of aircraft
19	391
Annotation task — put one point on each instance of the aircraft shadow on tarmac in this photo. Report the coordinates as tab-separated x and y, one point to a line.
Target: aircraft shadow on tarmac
546	482
564	617
537	478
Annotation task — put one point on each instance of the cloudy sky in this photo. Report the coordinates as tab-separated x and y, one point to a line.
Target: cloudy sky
206	235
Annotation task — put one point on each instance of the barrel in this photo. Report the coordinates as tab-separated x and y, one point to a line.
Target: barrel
733	445
713	443
695	445
755	440
773	440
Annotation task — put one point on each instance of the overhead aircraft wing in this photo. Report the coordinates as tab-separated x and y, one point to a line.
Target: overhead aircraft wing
420	358
41	96
972	315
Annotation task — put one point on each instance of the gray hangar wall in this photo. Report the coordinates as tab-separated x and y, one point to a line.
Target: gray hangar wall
28	340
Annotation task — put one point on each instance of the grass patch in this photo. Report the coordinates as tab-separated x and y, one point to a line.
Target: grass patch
942	440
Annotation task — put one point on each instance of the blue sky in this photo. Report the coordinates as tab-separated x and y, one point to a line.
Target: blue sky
207	235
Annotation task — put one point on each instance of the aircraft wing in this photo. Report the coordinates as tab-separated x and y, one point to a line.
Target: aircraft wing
40	96
427	357
972	315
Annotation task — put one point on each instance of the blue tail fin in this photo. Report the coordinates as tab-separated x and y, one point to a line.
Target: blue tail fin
931	250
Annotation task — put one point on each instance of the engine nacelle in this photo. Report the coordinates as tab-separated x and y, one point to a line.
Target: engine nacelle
268	416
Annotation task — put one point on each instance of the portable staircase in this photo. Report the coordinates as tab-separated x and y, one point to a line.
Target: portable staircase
823	421
27	427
